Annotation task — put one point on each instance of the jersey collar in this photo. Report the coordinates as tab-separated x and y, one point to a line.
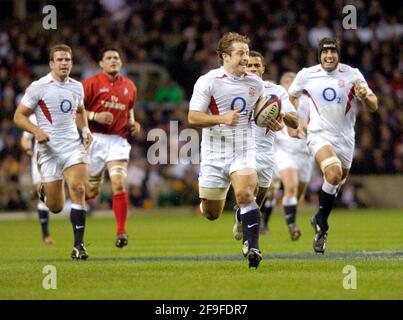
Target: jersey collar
109	78
331	72
51	79
225	73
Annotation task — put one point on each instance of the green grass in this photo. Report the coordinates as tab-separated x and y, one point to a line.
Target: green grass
177	255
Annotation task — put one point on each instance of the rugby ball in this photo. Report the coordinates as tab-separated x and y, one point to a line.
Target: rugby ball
266	107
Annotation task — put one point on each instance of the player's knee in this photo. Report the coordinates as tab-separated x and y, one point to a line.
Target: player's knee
91	193
291	190
333	175
244	197
118	186
118	176
93	187
78	189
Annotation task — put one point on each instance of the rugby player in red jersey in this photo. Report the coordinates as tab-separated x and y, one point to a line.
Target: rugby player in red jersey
109	99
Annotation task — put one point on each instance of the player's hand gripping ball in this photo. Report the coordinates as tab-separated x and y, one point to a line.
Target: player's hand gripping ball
267	107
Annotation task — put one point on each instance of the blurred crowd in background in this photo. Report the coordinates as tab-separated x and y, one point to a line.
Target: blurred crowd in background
181	36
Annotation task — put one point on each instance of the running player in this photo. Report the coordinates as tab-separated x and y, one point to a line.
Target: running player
57	101
335	91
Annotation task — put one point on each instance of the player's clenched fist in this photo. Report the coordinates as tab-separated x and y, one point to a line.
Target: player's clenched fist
360	90
276	124
134	127
41	136
232	118
87	137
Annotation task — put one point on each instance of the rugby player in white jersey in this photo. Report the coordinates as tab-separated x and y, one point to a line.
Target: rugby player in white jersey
29	145
294	160
335	91
57	101
221	104
264	137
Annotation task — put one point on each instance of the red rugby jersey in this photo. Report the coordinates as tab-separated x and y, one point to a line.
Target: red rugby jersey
102	93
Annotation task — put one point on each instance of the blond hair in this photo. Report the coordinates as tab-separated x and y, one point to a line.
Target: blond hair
60	47
226	41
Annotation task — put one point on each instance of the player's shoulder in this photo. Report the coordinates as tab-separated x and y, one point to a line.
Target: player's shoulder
76	85
75	82
343	68
42	81
274	88
312	70
207	79
128	81
217	73
39	84
92	78
272	85
268	84
254	78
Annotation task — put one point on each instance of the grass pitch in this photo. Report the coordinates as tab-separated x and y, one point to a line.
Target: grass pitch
174	254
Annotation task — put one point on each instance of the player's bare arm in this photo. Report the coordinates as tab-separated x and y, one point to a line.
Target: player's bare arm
300	132
134	126
21	120
82	125
369	100
201	119
26	145
293	132
104	117
291	120
294	101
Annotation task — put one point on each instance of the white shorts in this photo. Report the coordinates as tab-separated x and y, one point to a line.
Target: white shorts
218	175
264	167
36	176
51	164
303	162
342	146
221	156
276	172
106	148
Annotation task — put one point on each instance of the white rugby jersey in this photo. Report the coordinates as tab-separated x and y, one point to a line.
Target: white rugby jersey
218	93
333	105
55	104
290	144
264	138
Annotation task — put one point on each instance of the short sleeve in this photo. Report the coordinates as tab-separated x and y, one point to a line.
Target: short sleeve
201	96
31	96
297	86
286	104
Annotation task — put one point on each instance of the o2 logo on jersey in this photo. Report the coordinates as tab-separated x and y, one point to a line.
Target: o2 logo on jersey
66	106
240	103
329	94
